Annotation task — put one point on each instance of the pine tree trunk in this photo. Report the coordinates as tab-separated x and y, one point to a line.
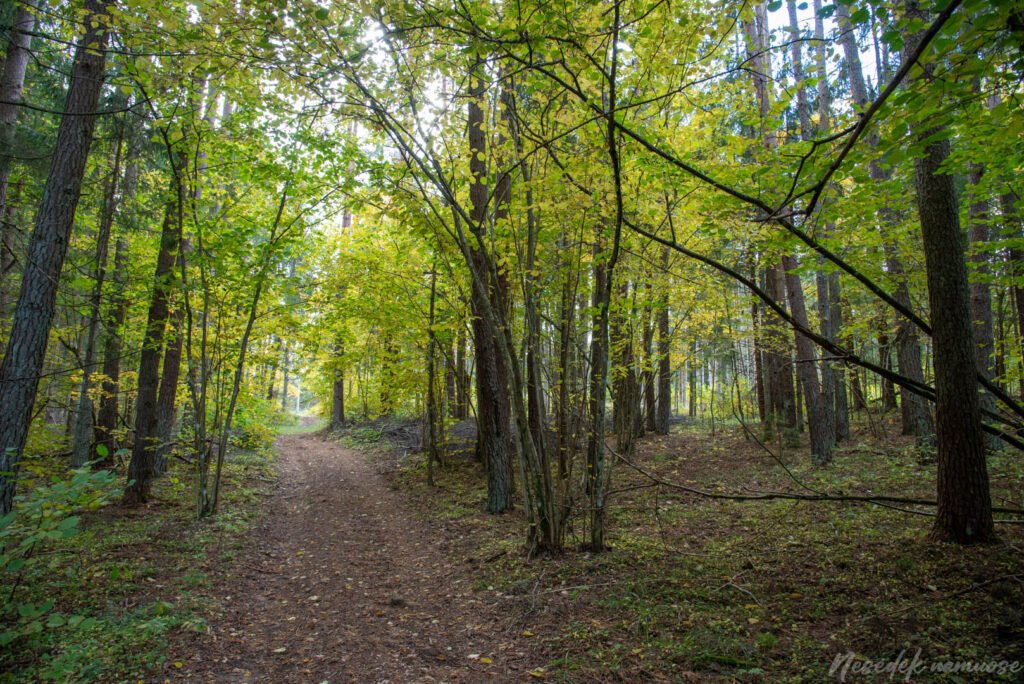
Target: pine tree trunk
23	358
106	421
964	502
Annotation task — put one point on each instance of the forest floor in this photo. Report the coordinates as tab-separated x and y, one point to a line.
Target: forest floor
342	582
354	569
697	589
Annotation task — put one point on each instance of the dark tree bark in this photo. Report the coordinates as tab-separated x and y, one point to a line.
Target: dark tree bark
964	502
780	400
981	294
142	468
649	373
842	411
494	412
166	409
338	390
664	360
462	379
23	358
885	361
821	429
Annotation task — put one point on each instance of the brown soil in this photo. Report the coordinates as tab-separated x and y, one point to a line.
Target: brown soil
343	582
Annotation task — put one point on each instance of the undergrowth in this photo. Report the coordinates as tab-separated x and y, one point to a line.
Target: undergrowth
92	589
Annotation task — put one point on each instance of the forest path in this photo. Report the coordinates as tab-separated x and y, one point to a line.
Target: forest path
343	582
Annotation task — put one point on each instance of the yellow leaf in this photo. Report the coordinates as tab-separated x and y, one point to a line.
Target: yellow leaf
753	621
486	661
179	664
527	633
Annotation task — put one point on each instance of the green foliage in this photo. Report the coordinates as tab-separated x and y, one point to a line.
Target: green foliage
42	520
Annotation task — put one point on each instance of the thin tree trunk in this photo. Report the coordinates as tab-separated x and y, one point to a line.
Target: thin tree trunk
142	468
914	410
23	358
981	294
338	389
166	409
106	422
819	426
664	359
12	78
83	431
493	406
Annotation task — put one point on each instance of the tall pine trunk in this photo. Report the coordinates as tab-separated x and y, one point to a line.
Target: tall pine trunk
23	358
964	502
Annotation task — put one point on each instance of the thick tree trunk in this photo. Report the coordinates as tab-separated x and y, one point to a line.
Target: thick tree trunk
142	468
964	502
23	358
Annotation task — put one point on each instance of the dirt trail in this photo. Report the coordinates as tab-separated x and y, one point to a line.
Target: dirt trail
343	583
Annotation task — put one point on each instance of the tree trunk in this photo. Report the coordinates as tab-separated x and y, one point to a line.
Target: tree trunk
12	78
106	422
493	406
818	424
338	390
664	359
842	411
885	361
23	358
166	409
142	468
84	430
981	295
964	502
914	410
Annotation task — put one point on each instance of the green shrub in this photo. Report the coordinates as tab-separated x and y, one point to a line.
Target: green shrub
42	519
